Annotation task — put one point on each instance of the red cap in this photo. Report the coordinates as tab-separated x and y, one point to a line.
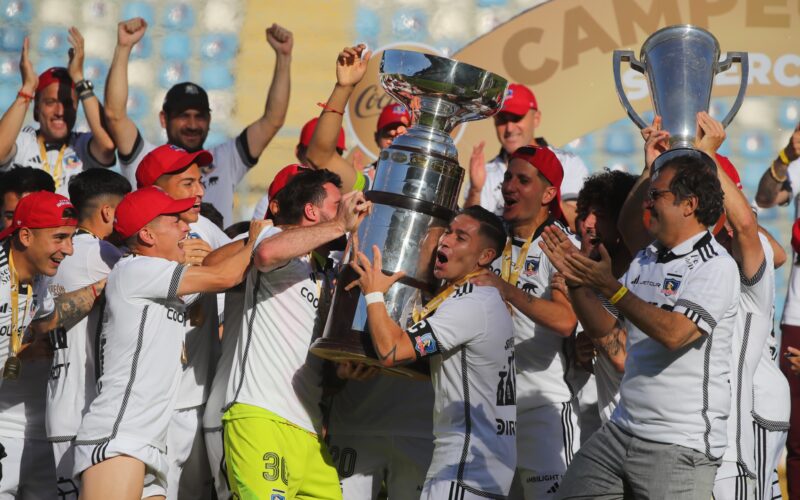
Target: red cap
796	236
308	132
519	100
546	162
40	210
393	114
54	75
141	206
729	169
282	178
167	159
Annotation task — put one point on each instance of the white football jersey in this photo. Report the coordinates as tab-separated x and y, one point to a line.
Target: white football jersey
280	312
41	306
139	354
575	173
75	160
472	371
231	162
682	397
753	327
791	309
541	354
72	383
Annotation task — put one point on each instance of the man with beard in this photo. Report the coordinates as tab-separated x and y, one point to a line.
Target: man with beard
186	117
55	147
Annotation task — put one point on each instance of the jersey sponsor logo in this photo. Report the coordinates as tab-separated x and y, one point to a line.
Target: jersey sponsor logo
213	180
692	260
176	316
464	290
55	370
58	338
635	280
310	297
4	308
5	330
425	344
507	385
671	286
531	266
506	427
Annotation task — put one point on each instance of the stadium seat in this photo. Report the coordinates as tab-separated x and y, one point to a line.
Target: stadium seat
53	41
16	11
176	46
789	113
172	72
410	25
179	16
755	144
367	23
219	46
144	10
216	77
11	38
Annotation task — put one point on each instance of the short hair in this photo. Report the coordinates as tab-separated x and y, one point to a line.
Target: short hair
491	227
607	191
307	186
95	183
26	180
210	212
694	177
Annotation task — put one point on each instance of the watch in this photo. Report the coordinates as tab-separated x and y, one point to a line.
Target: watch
84	86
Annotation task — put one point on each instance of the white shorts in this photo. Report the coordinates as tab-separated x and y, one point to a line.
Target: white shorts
769	446
188	476
155	461
68	486
447	490
364	461
216	461
547	439
733	483
29	470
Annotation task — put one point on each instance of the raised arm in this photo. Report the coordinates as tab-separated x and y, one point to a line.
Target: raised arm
351	65
101	145
477	175
70	308
121	128
14	117
772	188
219	277
261	131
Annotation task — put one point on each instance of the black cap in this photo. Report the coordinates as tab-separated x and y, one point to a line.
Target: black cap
183	96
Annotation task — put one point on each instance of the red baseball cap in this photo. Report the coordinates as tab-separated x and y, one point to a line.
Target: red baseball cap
393	114
54	75
167	159
519	99
40	210
729	169
796	236
308	132
143	205
546	162
282	178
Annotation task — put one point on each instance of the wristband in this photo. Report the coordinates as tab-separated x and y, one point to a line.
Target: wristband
28	97
783	157
328	108
374	298
618	296
94	292
774	175
86	94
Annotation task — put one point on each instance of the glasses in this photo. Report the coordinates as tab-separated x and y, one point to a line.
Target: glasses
655	194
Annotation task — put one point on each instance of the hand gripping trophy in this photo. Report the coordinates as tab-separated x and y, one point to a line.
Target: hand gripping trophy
415	193
680	63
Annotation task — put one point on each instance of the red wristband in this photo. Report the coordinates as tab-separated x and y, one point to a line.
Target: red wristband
328	108
25	95
94	292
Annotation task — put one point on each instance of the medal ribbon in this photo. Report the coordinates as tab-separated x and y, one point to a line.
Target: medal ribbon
55	172
433	304
16	341
510	272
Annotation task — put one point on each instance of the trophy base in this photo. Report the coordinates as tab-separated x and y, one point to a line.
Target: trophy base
674	153
335	350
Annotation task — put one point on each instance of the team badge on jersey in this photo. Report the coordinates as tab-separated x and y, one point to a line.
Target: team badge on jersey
531	266
277	495
425	344
72	161
671	286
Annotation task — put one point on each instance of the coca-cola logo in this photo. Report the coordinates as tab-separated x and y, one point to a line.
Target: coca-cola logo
371	101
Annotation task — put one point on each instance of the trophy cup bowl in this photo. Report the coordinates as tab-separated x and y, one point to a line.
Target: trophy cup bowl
415	194
680	63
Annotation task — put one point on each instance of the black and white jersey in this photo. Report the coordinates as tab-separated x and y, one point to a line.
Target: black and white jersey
682	397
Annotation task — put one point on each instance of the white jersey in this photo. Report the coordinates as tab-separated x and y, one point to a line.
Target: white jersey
753	327
541	354
682	397
260	211
473	376
72	383
139	354
42	305
202	329
280	312
791	309
575	173
76	157
231	161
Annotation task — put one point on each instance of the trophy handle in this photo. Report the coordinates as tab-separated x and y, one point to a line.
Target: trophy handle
742	59
627	55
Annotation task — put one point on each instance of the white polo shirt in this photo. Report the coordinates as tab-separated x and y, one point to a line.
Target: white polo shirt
231	161
682	397
76	158
541	354
139	354
280	312
71	386
575	173
473	375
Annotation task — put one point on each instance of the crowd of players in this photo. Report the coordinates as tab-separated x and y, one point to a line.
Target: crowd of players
604	336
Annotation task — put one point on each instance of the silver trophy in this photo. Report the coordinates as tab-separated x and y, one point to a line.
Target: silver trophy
415	192
680	63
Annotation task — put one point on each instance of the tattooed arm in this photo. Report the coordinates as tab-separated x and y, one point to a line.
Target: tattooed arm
70	308
606	332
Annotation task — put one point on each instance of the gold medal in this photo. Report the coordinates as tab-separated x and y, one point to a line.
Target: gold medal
13	364
12	368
